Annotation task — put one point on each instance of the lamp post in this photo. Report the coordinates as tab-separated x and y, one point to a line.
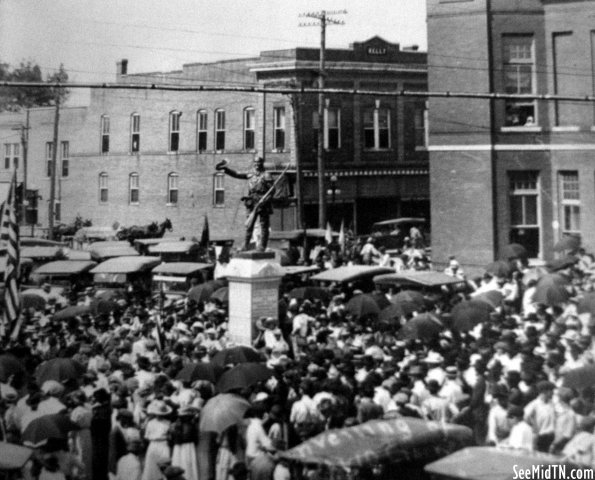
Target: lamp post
333	191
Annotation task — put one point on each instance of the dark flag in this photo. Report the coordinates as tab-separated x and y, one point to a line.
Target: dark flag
204	237
9	235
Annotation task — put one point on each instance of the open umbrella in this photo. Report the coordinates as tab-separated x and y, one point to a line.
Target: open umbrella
32	300
424	327
499	268
362	306
310	293
59	369
202	292
580	378
71	312
587	304
513	250
11	366
380	299
242	376
551	290
492	297
235	355
103	306
466	315
198	371
561	263
221	295
568	242
391	315
42	429
409	296
13	457
222	411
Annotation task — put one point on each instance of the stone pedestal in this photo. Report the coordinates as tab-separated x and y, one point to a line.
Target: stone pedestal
254	279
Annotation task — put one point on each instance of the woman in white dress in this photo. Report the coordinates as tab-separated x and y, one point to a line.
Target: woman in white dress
184	435
156	433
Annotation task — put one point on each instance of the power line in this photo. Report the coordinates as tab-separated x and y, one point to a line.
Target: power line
305	90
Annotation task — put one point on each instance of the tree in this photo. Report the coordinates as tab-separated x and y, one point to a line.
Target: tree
17	98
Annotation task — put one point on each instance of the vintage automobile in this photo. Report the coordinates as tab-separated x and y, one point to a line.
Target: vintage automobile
359	276
73	274
173	279
122	273
391	234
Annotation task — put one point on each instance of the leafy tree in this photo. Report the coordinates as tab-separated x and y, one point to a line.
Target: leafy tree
17	98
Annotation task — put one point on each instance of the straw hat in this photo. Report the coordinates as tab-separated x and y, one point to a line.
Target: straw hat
158	408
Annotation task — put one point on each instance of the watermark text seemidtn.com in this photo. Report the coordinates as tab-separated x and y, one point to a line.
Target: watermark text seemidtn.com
552	472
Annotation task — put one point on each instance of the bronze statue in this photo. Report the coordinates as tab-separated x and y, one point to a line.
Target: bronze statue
258	201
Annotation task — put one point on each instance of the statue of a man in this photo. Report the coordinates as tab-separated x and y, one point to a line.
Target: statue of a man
259	183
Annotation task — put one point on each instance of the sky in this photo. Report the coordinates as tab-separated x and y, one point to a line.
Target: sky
89	36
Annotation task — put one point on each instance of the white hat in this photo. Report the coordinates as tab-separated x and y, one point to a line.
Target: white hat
434	357
261	397
158	408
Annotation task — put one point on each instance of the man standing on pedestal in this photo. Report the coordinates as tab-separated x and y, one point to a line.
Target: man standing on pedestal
259	184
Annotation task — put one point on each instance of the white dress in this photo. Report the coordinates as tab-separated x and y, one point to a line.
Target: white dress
158	450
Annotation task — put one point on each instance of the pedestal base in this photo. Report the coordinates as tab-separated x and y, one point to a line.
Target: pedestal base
254	279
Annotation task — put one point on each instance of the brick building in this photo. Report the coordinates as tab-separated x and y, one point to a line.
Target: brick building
506	171
137	156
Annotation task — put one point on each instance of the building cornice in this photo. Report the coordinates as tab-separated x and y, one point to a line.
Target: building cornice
513	147
291	65
371	172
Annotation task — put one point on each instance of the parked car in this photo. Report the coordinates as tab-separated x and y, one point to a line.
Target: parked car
121	272
65	273
173	279
391	234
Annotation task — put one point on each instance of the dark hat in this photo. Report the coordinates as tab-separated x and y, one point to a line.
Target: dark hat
515	412
545	386
172	472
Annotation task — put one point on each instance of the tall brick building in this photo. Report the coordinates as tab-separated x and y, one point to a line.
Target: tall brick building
510	171
136	156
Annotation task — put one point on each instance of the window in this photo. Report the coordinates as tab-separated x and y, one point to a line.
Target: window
65	156
201	126
104	134
49	156
172	188
58	210
135	132
12	153
519	72
103	188
332	135
174	131
524	210
570	202
249	121
219	130
133	183
279	128
377	128
420	119
219	189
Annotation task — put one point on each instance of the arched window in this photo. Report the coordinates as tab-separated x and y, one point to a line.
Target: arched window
174	131
172	188
135	132
249	126
133	189
104	134
103	187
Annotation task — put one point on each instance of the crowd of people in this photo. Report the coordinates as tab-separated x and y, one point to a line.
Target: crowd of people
134	417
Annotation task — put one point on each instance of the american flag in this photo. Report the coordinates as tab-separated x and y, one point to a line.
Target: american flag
9	236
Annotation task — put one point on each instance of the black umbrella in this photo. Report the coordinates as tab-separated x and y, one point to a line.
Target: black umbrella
32	300
71	312
199	371
466	315
391	314
568	242
380	299
235	355
59	369
561	263
423	327
587	304
202	292
551	290
361	306
513	250
499	268
580	377
493	298
221	294
48	427
11	366
242	376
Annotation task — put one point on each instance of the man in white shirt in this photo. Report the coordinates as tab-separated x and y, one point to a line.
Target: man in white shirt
541	416
521	433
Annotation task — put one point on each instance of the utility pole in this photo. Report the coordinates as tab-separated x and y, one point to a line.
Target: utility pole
323	20
51	206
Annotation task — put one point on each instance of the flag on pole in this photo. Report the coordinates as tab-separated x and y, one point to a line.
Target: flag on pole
9	236
205	235
328	235
342	237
